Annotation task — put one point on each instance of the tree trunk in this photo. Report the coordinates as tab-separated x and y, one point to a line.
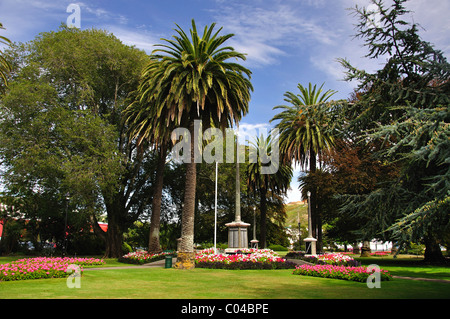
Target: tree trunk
365	249
114	234
319	237
433	253
263	218
153	243
355	247
186	254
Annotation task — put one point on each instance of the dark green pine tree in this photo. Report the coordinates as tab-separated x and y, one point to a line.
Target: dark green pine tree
405	106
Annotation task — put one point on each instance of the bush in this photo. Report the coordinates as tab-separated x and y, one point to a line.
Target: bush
295	255
278	248
241	265
336	259
86	244
142	257
42	267
380	253
244	259
416	249
126	248
359	274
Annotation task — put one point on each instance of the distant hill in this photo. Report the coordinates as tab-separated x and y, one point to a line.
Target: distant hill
292	211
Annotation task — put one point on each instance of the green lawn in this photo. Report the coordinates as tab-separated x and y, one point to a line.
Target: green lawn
408	267
160	283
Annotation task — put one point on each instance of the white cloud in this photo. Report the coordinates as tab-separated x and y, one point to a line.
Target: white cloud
139	38
257	52
101	15
273	30
248	132
432	15
22	18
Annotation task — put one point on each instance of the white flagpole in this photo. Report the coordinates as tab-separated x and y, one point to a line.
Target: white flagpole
215	213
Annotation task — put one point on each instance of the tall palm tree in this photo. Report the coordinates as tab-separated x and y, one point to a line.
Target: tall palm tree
145	125
5	67
305	131
193	80
264	184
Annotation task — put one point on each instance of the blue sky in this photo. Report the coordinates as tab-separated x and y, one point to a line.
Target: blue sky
287	42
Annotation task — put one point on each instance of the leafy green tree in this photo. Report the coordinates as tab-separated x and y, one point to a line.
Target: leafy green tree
5	66
97	72
266	184
306	130
149	123
74	84
349	168
405	105
194	81
48	151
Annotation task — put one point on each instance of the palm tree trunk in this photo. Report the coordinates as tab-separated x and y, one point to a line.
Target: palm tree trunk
312	169
262	223
153	243
186	254
319	228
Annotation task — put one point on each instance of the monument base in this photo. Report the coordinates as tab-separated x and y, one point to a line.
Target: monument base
237	236
312	246
254	243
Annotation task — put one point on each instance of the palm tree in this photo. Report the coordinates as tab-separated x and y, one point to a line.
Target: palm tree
305	132
265	184
192	80
144	124
5	67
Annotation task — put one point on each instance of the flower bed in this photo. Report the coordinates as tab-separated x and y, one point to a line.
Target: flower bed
142	257
380	253
243	259
339	272
337	259
42	267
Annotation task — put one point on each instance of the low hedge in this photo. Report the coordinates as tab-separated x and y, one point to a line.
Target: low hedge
315	260
143	257
359	274
241	265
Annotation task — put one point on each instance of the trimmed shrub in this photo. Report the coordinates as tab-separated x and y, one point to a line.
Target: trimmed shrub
278	248
142	257
359	274
243	259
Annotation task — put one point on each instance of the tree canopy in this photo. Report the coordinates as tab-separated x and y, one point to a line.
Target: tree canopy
404	108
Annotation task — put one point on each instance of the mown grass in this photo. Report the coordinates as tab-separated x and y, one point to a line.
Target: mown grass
407	266
159	283
143	282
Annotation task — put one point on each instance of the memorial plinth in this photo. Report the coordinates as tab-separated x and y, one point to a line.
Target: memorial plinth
237	230
254	243
312	246
237	236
